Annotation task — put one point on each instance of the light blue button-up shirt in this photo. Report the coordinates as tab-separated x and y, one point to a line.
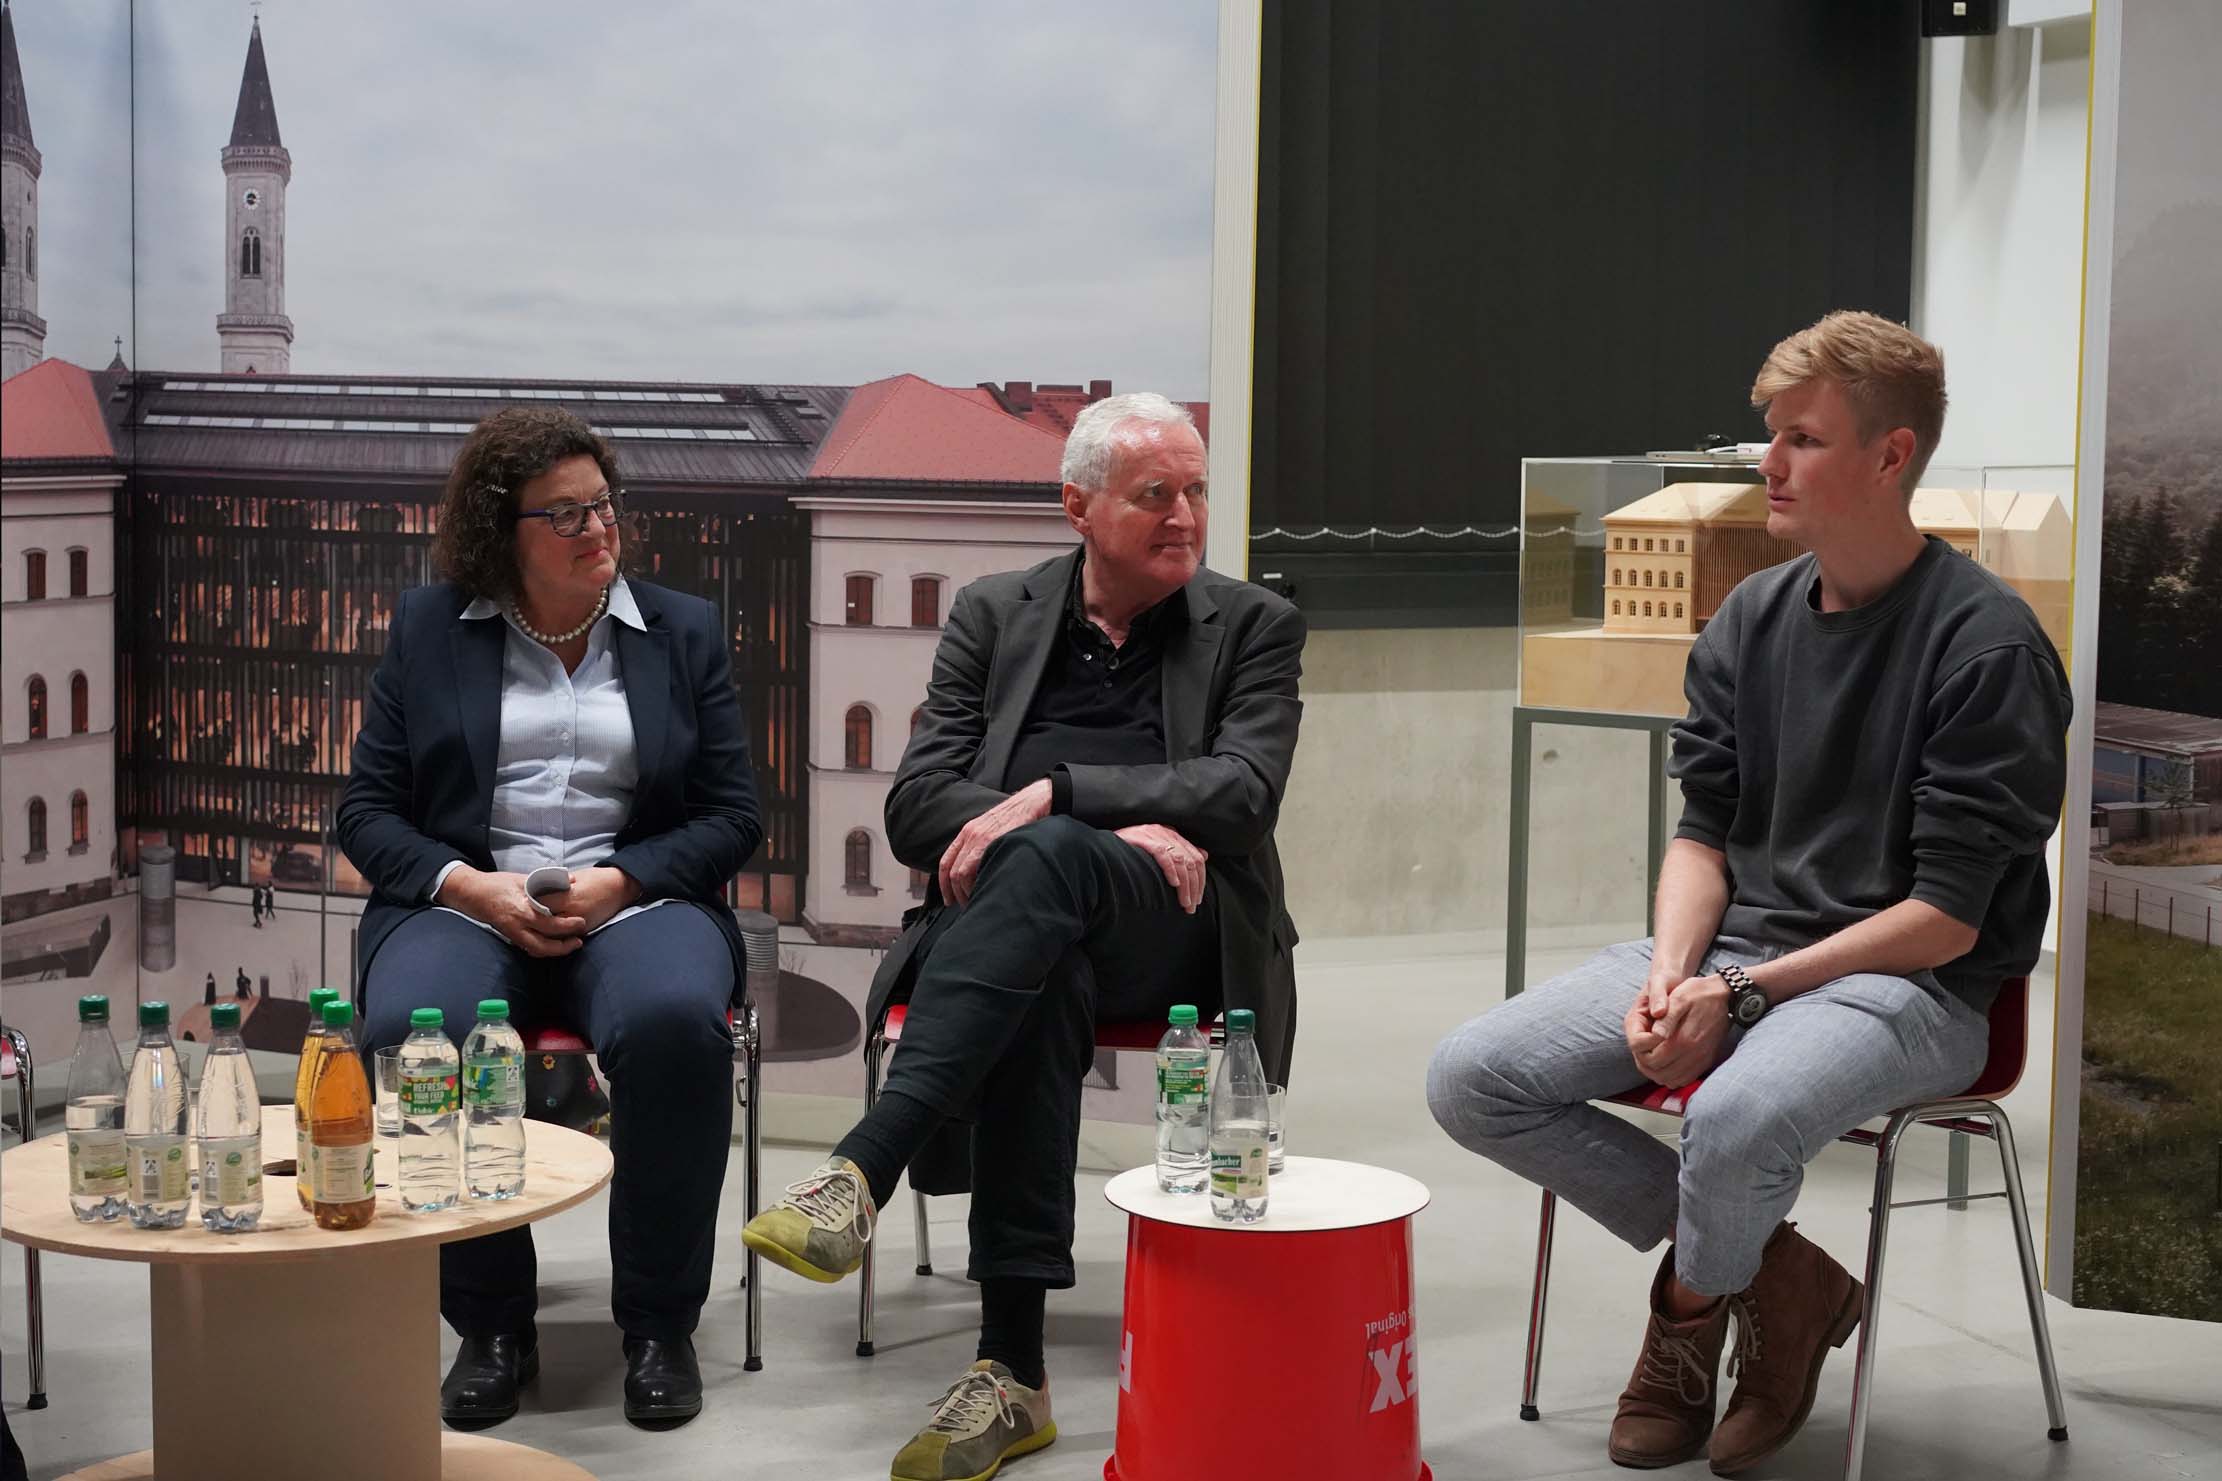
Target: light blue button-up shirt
567	764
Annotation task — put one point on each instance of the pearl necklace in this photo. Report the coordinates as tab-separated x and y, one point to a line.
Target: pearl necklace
601	605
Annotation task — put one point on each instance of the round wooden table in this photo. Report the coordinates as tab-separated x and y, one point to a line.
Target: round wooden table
298	1351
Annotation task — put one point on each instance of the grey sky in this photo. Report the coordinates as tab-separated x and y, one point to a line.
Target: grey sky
701	189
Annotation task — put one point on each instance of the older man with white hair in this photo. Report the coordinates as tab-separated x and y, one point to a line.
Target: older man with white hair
1094	782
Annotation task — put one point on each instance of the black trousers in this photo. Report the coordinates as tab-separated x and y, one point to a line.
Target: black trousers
1068	925
650	995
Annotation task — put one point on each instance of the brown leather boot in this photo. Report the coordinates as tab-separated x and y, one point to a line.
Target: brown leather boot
1667	1409
1801	1304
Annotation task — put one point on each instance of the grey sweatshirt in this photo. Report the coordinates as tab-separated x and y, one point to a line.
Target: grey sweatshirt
1913	748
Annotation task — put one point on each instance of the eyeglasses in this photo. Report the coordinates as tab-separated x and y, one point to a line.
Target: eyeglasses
569	519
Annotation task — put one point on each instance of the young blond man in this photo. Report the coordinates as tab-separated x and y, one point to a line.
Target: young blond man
1872	763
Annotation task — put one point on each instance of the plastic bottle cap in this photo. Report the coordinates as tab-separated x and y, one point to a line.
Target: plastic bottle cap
1241	1021
426	1018
319	996
1183	1014
154	1015
493	1010
224	1015
339	1013
92	1008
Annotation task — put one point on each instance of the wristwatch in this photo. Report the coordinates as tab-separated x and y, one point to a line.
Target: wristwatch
1746	1003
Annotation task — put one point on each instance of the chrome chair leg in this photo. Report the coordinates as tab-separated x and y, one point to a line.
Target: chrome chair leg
2032	1283
1878	1235
1534	1374
874	1048
925	1249
752	1151
34	1322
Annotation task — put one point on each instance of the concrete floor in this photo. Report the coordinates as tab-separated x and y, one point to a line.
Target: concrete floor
1957	1396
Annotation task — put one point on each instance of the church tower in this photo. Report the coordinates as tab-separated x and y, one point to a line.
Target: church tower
256	335
22	331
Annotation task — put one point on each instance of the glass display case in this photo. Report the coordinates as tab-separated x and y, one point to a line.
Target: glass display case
1623	560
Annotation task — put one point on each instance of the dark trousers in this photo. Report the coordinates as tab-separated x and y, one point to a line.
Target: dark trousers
650	995
1068	925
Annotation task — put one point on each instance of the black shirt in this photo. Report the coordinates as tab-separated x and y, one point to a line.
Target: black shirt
1098	705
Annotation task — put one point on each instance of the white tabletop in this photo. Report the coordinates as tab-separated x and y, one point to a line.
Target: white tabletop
1312	1194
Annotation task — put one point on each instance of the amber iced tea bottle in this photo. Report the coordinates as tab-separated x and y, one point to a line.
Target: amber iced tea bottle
341	1129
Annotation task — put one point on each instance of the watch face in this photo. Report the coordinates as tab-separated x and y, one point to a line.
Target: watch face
251	199
1749	1006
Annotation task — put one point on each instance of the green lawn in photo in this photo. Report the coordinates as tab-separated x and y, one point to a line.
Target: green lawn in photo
2148	1223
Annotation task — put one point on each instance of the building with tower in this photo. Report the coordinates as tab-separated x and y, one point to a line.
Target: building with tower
22	331
256	335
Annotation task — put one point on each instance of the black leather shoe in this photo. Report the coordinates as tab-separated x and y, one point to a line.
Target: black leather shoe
481	1389
663	1384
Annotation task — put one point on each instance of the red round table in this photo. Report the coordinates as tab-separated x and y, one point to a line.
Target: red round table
1288	1347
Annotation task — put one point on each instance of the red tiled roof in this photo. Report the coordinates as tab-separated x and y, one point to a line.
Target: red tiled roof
909	430
52	411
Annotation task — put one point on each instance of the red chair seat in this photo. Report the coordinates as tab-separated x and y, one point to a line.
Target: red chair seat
1142	1037
2001	1070
559	1038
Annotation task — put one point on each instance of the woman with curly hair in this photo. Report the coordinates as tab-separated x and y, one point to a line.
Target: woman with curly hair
537	709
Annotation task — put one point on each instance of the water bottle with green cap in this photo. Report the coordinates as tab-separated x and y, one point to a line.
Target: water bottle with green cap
1240	1120
92	1119
494	1105
228	1126
1183	1104
155	1129
431	1156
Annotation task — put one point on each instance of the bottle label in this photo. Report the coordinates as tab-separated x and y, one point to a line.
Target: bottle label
158	1170
1183	1084
98	1165
231	1171
493	1082
340	1173
1239	1171
428	1094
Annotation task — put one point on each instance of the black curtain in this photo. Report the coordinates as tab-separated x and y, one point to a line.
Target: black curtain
1495	229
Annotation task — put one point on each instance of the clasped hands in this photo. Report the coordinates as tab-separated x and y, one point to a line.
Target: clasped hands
1678	1027
499	899
1181	861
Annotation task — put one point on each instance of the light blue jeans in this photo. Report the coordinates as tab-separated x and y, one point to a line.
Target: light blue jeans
1515	1085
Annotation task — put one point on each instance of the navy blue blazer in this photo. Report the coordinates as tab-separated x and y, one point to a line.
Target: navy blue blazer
420	790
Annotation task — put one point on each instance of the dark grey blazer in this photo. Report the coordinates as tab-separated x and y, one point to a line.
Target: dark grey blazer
1231	713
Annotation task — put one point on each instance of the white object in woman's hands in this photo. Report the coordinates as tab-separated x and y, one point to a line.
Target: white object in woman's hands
548	879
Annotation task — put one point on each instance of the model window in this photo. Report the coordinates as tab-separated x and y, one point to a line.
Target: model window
1678	609
80	705
1616	575
859	610
1677	580
1616	542
250	254
1647	578
1647	542
857	745
1616	609
856	860
30	252
34	575
1647	609
37	689
1681	547
80	822
35	827
925	601
78	583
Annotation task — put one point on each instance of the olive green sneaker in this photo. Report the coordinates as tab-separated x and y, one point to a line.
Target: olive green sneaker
819	1230
986	1418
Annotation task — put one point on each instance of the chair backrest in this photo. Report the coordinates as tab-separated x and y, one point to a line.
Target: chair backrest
2009	1041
